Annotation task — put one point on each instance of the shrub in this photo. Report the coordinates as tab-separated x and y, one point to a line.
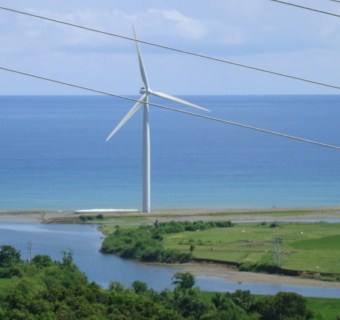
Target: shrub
274	225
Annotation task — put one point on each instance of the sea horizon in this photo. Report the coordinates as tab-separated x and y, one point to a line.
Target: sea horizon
54	156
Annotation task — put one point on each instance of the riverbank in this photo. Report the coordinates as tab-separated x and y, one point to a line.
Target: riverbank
216	270
61	216
204	270
33	215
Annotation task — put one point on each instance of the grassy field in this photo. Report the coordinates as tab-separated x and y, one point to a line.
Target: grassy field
163	216
328	308
303	246
4	282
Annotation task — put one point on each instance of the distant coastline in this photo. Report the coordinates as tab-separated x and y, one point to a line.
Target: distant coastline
69	216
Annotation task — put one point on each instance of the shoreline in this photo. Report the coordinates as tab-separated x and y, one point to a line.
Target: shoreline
216	270
66	216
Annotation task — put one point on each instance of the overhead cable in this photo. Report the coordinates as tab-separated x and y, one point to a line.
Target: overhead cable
191	53
307	8
173	109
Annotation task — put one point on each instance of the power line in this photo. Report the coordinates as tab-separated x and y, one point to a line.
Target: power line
308	8
191	53
174	109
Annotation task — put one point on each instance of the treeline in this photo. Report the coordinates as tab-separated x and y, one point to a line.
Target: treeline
176	226
44	289
91	218
145	243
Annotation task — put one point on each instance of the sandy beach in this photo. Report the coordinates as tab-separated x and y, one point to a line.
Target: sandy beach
178	214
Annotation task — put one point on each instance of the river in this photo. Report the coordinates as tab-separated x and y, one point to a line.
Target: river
84	241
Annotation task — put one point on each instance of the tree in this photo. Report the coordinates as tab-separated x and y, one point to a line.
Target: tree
67	257
284	306
244	300
183	280
190	304
9	256
42	261
139	287
116	286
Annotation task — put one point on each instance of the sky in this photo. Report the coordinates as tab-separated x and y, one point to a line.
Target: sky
258	33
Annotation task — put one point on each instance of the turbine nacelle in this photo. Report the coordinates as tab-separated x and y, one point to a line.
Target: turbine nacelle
143	90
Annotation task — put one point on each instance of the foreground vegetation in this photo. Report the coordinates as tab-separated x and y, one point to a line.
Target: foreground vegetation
43	289
309	249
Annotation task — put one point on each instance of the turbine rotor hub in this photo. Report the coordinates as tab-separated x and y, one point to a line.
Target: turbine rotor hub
143	90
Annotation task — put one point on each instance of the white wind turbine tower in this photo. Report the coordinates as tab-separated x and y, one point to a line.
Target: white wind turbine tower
146	91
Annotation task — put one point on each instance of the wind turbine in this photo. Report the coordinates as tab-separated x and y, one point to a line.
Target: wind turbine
144	99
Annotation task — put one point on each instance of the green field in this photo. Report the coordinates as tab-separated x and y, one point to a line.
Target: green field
4	282
140	218
328	308
303	247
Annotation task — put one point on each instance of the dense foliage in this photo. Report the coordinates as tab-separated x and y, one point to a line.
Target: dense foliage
145	243
49	290
176	226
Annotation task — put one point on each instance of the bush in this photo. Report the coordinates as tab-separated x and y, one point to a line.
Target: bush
274	225
176	227
246	266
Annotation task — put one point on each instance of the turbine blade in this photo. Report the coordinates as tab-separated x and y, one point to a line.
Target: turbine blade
133	110
178	100
140	60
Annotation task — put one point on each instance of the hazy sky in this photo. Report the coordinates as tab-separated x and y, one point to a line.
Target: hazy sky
254	32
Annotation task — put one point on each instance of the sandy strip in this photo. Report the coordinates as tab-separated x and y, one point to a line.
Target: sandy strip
32	216
181	214
221	271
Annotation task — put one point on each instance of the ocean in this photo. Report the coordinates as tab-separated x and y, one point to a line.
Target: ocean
53	153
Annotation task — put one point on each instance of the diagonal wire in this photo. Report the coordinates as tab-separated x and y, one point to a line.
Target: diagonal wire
174	109
307	8
191	53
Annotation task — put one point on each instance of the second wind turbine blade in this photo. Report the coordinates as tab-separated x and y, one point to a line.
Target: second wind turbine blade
133	110
140	60
178	100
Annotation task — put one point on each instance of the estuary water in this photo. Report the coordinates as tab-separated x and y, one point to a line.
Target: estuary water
53	153
84	241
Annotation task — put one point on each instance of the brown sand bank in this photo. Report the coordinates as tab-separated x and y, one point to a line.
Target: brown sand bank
32	216
222	271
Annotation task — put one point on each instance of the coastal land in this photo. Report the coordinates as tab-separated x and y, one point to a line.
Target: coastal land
197	268
121	216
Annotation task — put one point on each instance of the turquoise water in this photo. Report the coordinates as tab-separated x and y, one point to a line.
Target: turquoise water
53	154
